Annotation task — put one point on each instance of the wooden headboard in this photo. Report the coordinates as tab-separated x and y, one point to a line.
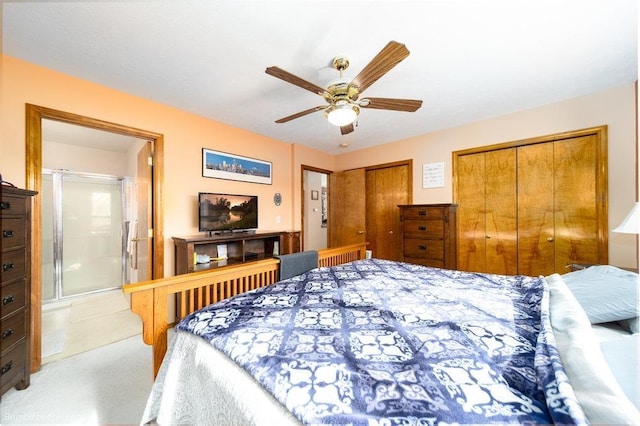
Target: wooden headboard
150	299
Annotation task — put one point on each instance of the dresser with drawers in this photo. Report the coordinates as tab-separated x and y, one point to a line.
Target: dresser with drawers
15	258
429	234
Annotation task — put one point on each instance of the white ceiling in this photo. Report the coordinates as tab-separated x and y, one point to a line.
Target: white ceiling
469	60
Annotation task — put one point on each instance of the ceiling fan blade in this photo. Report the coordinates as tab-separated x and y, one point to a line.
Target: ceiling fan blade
408	105
346	129
300	114
384	61
293	79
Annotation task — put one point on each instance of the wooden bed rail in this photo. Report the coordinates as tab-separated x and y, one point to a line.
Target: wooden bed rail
150	299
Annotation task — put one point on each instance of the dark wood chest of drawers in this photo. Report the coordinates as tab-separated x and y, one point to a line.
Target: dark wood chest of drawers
15	261
429	234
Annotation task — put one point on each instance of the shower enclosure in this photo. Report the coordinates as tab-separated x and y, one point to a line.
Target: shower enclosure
83	238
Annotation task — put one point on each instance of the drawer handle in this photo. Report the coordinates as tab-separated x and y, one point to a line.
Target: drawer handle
422	228
5	368
5	206
422	247
7	233
422	213
7	266
6	300
7	333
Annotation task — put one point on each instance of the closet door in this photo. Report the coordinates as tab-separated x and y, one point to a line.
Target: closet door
487	237
536	247
557	205
501	210
539	204
575	198
471	212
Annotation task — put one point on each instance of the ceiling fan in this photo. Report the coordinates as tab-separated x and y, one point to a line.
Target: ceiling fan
342	96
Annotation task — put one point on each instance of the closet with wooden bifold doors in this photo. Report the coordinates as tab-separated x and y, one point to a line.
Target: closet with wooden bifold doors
534	206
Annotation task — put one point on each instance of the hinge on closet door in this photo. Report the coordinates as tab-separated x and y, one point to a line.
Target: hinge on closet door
150	160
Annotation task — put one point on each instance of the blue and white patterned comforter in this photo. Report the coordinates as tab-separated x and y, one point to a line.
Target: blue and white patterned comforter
385	343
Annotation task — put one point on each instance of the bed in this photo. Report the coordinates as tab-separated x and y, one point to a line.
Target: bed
369	341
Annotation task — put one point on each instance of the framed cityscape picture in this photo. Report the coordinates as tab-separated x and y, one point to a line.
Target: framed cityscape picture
222	165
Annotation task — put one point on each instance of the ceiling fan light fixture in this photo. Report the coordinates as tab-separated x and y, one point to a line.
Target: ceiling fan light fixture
342	113
342	95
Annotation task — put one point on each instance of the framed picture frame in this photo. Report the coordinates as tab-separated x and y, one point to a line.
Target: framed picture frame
314	194
223	165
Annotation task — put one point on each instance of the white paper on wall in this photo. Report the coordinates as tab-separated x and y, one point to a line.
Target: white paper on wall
433	175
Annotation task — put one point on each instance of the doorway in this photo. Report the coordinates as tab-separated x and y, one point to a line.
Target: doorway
315	208
35	115
89	179
370	213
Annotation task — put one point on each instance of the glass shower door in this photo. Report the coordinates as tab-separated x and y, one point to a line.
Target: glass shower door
84	236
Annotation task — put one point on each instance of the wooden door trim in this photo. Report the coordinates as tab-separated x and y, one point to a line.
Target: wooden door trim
33	153
408	162
537	139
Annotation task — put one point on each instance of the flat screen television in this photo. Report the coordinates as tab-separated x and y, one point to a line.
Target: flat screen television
218	213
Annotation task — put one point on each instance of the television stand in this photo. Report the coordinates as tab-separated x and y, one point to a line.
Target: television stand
241	247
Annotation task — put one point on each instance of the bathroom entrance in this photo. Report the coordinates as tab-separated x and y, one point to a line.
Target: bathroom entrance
59	140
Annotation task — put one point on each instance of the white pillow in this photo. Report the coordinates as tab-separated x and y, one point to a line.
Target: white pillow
597	390
606	293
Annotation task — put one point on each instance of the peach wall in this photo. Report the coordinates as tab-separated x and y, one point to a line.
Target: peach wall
614	107
185	135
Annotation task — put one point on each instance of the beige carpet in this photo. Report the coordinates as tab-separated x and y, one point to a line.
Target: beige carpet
108	385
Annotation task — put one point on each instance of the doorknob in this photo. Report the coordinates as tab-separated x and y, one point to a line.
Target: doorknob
362	232
550	239
391	232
